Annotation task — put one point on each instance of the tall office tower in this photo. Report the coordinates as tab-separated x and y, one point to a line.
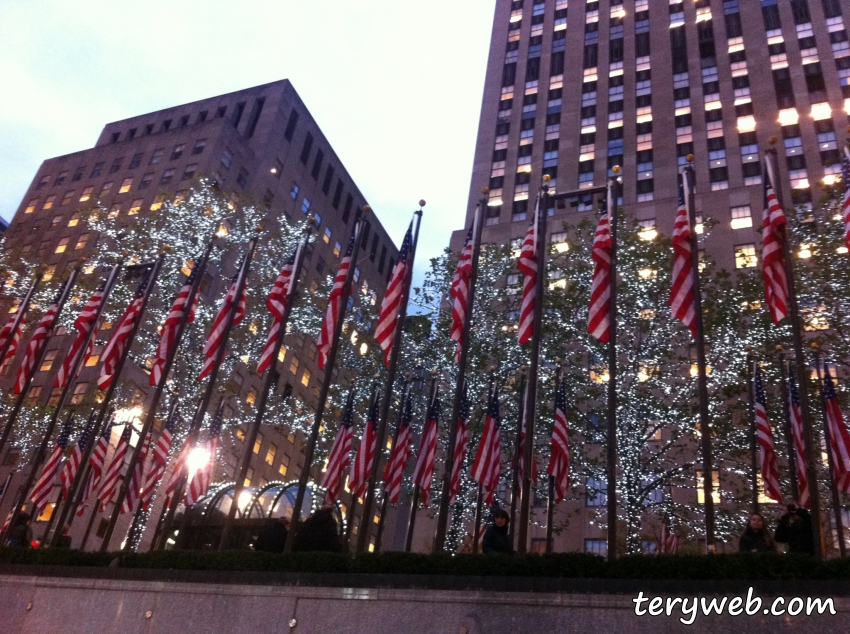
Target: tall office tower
260	145
575	87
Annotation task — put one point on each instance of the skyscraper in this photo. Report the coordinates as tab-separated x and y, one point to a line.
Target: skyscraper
260	145
574	88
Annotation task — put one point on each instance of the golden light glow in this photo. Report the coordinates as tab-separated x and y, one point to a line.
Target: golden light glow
805	251
821	111
364	348
649	234
562	247
829	179
841	250
222	231
746	124
244	500
647	273
742	223
197	459
789	116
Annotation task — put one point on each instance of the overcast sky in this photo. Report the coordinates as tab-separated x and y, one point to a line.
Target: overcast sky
395	85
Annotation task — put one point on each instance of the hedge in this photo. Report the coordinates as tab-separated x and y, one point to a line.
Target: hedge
563	566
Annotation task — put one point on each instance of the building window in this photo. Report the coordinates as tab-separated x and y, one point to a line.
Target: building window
715	488
81	241
199	146
47	362
189	172
116	165
293	365
135	206
271	453
595	493
741	217
305	206
337	248
306	148
126	184
66	199
136	160
258	443
327	235
87	192
146	180
79	393
305	378
167	175
242	179
177	152
33	396
745	256
596	546
48	203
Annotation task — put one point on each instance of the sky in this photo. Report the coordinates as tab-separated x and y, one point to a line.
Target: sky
395	85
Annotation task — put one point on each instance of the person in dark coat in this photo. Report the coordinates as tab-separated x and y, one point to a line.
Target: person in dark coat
272	537
496	540
21	534
319	532
795	529
756	538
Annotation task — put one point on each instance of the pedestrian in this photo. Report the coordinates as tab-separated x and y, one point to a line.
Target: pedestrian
795	529
756	538
272	537
319	532
496	540
21	534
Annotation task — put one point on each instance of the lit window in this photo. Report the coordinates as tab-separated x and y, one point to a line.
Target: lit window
126	184
715	487
48	203
821	111
741	217
135	206
74	220
48	360
271	453
86	193
305	378
305	206
327	236
107	187
79	393
81	241
746	124
63	244
745	256
258	442
647	230
559	242
66	199
293	365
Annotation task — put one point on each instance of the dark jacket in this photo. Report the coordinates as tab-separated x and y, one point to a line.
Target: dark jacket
496	541
795	529
272	538
20	536
758	541
319	532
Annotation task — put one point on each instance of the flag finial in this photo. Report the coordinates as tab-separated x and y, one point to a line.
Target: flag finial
485	190
690	158
616	169
421	202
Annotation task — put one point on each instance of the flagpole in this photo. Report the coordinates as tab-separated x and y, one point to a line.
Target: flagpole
833	489
515	484
271	379
530	409
789	435
134	456
414	505
405	394
52	519
613	195
330	361
800	362
200	412
23	307
751	412
13	416
479	504
448	467
380	432
550	503
349	516
137	516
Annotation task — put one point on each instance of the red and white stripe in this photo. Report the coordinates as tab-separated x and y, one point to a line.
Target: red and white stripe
159	461
43	489
682	302
423	473
773	257
202	478
340	455
385	332
460	290
799	441
358	480
767	450
528	266
16	337
72	464
839	436
171	325
326	334
487	466
276	304
84	324
559	459
460	449
33	349
112	478
219	329
135	485
179	467
97	461
599	314
118	341
402	450
668	542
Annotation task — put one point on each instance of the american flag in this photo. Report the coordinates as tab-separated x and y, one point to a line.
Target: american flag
460	290
388	318
43	488
276	303
528	265
172	324
682	303
201	480
668	542
84	324
487	466
839	437
112	478
179	466
845	172
120	337
423	473
358	481
159	458
599	314
323	343
134	487
461	444
72	464
773	258
13	345
6	333
220	327
42	331
400	453
559	459
340	455
769	472
799	442
97	461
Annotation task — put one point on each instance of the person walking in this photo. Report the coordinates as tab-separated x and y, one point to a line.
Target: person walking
496	540
756	538
795	529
